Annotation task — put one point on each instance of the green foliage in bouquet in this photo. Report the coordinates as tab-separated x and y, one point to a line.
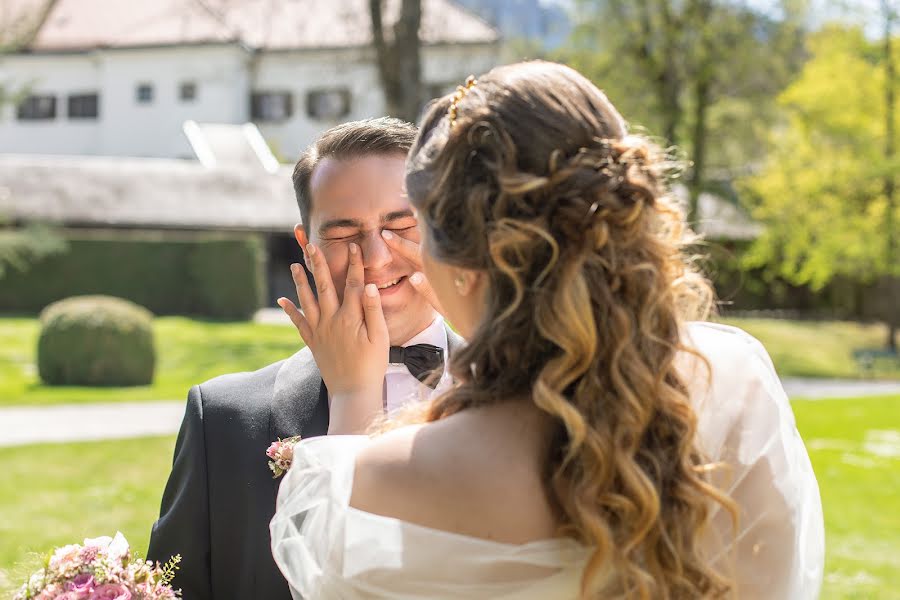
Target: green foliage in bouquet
96	340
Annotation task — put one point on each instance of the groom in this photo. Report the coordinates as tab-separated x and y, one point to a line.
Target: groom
221	494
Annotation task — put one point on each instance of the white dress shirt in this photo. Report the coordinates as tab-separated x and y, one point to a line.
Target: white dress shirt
400	386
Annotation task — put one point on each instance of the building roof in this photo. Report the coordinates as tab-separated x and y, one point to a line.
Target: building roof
177	194
77	25
144	193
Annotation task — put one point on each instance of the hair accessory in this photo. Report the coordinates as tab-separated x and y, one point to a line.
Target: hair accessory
461	91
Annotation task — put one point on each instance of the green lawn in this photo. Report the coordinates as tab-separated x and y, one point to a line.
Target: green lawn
188	352
191	352
855	449
820	349
61	493
56	494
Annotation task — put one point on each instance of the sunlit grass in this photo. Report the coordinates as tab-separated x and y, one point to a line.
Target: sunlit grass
56	494
854	445
820	348
188	352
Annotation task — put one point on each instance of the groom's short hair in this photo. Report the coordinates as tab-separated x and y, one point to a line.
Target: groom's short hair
384	135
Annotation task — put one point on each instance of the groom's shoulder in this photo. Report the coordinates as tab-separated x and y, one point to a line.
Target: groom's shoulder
245	391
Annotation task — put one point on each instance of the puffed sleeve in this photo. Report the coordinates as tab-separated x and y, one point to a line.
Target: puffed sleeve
307	529
747	428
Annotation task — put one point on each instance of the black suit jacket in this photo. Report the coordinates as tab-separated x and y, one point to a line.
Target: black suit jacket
221	494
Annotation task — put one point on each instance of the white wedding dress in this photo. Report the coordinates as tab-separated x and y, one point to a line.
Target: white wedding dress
327	549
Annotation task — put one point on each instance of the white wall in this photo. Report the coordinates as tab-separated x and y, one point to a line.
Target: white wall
125	127
225	75
59	76
302	71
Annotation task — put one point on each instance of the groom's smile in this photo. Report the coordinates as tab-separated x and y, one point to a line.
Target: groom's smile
354	200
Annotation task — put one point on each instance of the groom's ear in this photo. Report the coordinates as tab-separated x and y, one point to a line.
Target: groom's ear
302	240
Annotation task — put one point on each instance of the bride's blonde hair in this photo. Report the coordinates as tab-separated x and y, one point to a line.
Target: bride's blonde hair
530	176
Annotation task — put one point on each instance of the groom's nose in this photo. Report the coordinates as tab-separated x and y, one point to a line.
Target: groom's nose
376	254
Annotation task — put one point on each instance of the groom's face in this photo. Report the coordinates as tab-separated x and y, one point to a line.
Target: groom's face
354	200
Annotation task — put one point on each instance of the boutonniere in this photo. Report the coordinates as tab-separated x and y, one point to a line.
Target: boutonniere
281	451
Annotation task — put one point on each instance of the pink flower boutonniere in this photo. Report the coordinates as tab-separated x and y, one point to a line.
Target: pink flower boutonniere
281	452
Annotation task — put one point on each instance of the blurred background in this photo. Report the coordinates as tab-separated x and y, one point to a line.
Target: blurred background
146	212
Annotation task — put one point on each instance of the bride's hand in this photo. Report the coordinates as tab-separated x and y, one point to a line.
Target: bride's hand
349	341
412	252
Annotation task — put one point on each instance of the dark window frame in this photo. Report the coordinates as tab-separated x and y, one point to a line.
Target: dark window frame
27	110
346	97
75	103
184	87
142	98
259	113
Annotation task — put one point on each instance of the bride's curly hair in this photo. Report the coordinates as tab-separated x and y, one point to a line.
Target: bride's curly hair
531	177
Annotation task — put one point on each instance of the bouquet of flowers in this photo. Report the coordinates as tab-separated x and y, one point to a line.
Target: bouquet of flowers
101	569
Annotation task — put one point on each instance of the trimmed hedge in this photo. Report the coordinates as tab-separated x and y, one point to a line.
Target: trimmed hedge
97	341
216	278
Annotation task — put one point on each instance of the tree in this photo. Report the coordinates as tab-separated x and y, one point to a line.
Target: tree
20	248
701	73
398	58
825	194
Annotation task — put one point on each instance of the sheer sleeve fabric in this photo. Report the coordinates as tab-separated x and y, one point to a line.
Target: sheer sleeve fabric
327	549
747	428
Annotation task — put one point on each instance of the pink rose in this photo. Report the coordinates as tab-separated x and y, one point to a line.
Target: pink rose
273	449
69	596
111	591
287	453
81	583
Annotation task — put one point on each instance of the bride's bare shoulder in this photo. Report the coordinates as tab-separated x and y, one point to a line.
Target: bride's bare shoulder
394	463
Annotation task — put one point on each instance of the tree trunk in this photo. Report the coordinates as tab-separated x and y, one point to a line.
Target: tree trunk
698	145
399	60
889	183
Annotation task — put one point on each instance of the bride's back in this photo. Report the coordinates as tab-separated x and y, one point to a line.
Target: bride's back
478	473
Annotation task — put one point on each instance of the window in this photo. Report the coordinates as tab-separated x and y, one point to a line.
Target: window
187	91
271	106
84	106
37	108
144	93
328	105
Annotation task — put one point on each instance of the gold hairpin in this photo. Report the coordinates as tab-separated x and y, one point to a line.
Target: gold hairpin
461	91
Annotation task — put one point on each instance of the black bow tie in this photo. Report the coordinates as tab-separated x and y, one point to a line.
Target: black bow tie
421	360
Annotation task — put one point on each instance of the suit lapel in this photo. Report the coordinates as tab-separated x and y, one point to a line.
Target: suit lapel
300	400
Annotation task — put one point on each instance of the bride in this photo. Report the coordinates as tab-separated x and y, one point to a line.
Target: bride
601	440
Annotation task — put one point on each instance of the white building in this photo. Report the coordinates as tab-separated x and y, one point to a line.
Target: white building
120	77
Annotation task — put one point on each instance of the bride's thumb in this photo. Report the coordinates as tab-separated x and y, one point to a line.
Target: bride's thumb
376	326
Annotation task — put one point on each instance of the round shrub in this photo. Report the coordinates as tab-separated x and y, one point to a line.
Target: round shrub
97	341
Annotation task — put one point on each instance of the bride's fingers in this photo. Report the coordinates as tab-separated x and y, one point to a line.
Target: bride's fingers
297	318
328	301
353	287
421	285
305	296
408	249
376	326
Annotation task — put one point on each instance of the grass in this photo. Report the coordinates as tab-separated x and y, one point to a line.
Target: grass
854	445
57	494
188	352
820	348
